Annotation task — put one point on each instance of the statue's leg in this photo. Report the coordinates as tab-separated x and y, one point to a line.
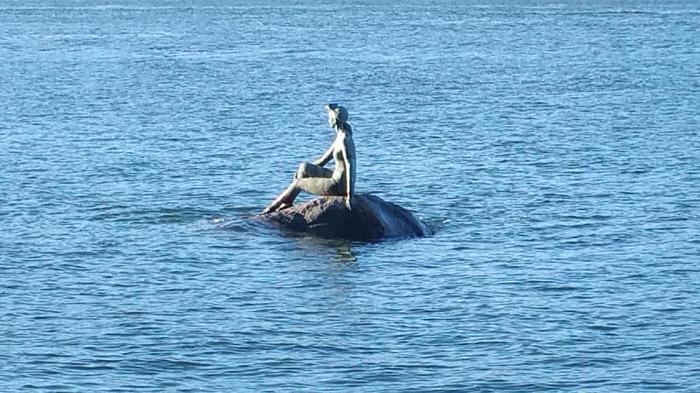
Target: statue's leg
313	185
320	186
311	178
307	169
284	199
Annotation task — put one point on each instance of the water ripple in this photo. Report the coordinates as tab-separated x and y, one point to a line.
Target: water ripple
553	147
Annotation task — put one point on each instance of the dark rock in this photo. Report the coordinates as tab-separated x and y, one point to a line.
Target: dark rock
371	218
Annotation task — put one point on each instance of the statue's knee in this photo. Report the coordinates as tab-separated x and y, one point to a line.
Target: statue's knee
301	172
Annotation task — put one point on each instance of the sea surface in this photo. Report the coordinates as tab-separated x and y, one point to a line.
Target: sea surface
554	146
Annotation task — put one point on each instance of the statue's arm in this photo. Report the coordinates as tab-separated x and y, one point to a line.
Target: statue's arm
323	160
348	177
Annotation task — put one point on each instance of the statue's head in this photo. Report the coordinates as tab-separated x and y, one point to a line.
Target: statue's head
337	115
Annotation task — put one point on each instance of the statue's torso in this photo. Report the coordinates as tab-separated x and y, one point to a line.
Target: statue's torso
340	171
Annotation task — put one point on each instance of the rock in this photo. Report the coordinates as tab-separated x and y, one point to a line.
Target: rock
371	218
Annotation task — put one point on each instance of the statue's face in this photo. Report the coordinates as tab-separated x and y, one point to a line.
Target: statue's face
331	119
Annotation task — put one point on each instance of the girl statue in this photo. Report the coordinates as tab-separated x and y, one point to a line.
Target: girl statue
314	178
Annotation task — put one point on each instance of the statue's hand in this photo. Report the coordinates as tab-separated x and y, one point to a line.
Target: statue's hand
347	203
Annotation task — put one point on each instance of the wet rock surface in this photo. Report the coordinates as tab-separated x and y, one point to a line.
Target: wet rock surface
371	218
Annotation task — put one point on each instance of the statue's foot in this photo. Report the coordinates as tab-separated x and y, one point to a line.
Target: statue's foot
270	208
276	207
283	206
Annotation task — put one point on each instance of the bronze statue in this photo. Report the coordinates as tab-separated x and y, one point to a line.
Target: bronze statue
314	178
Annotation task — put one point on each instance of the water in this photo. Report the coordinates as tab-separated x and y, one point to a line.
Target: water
555	146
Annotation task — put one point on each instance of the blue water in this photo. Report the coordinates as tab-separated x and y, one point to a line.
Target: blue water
555	147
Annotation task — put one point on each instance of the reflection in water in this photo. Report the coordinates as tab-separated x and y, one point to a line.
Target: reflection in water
330	264
339	250
343	252
340	265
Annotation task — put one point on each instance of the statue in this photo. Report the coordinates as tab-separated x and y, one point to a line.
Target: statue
314	178
339	212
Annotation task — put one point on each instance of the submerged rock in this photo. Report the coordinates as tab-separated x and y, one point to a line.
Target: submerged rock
371	218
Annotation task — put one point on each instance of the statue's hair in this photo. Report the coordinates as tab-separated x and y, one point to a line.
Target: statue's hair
341	115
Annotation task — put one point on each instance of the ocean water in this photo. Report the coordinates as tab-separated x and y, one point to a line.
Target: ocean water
554	146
